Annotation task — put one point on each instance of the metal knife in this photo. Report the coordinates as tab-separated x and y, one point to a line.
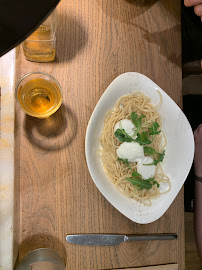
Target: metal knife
114	239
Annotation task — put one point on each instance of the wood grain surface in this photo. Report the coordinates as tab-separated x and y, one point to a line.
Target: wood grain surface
97	40
159	267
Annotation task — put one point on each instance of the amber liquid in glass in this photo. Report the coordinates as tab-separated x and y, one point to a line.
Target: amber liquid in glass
40	46
39	97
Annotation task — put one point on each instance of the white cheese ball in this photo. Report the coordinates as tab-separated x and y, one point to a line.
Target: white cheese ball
147	171
132	151
127	125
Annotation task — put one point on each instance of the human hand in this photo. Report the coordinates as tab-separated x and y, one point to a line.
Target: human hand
197	6
198	151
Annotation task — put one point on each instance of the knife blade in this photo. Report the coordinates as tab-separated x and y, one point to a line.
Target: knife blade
114	239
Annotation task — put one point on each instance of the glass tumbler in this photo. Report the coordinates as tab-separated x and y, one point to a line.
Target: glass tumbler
41	44
38	94
41	259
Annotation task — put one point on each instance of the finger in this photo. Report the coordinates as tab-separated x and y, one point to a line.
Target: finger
198	10
190	3
198	136
198	128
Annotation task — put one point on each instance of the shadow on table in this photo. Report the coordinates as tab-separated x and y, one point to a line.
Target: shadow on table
73	41
167	41
53	133
129	8
173	8
41	241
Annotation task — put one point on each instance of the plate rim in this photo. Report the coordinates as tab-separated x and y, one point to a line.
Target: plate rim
142	76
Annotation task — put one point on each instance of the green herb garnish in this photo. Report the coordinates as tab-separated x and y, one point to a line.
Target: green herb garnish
142	138
125	161
138	181
160	155
150	151
160	158
141	184
154	129
136	121
153	182
122	136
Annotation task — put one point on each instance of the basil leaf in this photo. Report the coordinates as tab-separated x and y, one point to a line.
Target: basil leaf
149	151
122	136
154	129
142	138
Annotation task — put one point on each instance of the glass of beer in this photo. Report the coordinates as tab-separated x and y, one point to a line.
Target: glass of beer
38	94
40	45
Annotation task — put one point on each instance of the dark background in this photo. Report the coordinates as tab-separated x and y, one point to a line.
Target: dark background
192	104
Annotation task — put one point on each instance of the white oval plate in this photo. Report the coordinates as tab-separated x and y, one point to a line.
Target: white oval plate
179	150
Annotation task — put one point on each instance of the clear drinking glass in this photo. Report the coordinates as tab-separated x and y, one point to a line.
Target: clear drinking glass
38	94
41	259
41	44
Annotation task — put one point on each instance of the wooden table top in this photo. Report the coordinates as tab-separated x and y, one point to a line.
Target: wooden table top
97	40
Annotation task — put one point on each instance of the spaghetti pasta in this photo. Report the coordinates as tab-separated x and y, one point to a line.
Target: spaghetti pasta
117	171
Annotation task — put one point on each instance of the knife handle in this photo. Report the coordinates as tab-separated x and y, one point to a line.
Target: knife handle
150	237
